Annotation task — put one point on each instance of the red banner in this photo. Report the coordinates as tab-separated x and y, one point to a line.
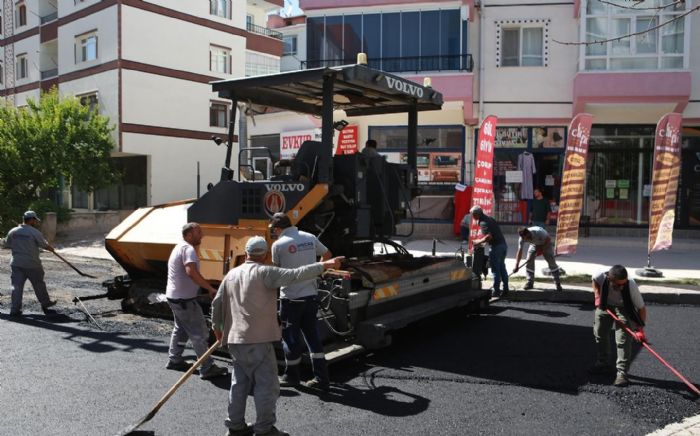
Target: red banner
664	182
347	141
482	192
573	183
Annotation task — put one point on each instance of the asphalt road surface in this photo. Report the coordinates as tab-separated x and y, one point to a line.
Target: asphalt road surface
519	368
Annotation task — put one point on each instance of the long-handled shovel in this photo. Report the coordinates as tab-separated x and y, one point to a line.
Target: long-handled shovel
170	392
73	266
644	343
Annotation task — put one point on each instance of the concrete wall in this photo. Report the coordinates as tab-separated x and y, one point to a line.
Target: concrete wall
104	23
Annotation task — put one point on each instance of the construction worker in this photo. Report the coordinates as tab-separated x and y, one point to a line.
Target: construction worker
244	316
184	281
25	241
540	243
491	234
615	291
298	302
370	149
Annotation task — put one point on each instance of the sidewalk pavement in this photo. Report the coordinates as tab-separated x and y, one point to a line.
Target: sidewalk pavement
594	255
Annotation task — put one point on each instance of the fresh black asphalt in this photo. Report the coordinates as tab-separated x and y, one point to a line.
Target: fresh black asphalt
518	368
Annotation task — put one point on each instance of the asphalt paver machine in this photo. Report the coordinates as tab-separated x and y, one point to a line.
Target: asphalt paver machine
353	203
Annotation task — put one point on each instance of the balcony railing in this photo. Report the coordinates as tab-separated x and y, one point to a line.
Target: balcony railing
416	64
48	18
263	31
49	74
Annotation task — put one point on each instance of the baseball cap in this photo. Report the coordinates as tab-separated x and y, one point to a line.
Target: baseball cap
280	220
31	214
256	245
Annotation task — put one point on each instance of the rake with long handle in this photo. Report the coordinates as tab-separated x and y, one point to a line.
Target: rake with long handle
170	392
644	343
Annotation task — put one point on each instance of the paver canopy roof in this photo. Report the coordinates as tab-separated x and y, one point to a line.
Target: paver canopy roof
357	89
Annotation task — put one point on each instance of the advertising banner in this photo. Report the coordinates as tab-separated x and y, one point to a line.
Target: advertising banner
291	141
482	192
664	182
347	141
573	183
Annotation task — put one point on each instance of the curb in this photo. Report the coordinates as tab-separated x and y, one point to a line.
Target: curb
579	296
689	426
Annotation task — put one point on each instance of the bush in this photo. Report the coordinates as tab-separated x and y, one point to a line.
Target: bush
43	206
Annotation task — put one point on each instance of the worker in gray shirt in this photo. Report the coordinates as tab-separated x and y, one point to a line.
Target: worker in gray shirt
540	244
25	241
244	316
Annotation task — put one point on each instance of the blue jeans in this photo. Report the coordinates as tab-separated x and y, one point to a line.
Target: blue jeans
497	261
298	324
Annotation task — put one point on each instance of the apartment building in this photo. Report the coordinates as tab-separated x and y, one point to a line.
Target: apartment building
147	66
534	66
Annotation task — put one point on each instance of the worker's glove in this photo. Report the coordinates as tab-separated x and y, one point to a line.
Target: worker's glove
640	336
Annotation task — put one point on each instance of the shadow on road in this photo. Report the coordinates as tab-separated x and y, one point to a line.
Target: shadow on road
92	341
535	348
382	400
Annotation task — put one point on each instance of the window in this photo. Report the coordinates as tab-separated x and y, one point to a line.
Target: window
91	101
289	45
397	41
219	59
218	114
22	67
650	49
257	64
86	47
522	46
220	8
20	15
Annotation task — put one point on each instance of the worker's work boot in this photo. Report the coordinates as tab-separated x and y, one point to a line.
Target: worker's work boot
178	365
316	384
49	304
529	285
273	432
559	288
621	380
288	382
247	430
213	372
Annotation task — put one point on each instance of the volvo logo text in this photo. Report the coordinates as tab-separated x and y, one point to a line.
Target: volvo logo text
286	187
404	87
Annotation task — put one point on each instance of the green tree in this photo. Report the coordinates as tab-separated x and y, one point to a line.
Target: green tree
51	139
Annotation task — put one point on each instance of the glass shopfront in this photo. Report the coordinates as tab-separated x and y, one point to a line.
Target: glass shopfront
619	173
525	159
619	169
440	164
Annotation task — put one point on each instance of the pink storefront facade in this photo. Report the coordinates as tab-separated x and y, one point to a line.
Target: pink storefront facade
523	62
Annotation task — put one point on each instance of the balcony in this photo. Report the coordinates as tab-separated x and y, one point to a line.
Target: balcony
49	73
415	64
49	18
263	31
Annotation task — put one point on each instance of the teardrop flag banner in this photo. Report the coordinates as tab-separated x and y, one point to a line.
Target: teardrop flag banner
482	193
664	182
573	183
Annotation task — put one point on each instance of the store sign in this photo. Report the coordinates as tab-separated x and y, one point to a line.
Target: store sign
290	142
482	193
347	141
573	184
664	182
514	137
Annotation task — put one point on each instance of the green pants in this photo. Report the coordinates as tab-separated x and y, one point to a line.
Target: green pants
601	331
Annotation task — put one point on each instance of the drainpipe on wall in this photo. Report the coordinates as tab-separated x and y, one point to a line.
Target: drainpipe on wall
482	62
